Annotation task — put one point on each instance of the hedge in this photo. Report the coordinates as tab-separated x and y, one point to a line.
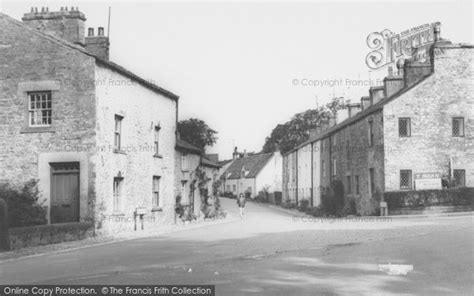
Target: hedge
21	237
425	198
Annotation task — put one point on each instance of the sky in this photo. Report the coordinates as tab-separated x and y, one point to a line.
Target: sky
244	67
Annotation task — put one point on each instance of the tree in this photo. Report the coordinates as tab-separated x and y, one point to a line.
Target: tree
197	132
288	135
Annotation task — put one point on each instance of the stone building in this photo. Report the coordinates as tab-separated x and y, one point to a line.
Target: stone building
99	139
250	174
190	162
420	121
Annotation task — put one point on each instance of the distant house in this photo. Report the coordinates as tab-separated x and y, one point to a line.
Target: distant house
251	174
189	163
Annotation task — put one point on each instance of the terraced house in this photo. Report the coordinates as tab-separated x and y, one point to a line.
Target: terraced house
419	123
99	139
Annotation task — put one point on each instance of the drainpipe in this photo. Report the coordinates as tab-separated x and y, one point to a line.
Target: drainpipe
297	185
312	176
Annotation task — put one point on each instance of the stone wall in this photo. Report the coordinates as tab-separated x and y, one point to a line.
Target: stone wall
447	93
354	157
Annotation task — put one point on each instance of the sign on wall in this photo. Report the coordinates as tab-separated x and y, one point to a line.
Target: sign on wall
425	181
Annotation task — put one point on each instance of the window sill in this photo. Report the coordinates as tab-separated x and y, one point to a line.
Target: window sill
119	151
157	156
157	209
118	214
39	129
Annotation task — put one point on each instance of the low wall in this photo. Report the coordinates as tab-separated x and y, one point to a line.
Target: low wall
21	237
430	201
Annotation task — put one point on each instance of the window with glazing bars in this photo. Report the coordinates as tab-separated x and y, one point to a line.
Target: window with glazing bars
39	108
459	178
118	132
156	191
405	179
458	127
404	127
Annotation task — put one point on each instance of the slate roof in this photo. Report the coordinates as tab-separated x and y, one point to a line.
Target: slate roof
372	109
252	164
182	145
108	64
209	163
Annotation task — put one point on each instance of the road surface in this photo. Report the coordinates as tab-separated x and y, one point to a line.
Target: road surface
273	252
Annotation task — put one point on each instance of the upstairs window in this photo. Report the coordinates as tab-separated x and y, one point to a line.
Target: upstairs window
405	179
184	161
118	132
459	178
371	133
39	108
156	142
334	167
404	127
458	126
156	192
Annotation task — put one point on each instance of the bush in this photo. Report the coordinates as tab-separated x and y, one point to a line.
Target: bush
288	204
23	207
304	204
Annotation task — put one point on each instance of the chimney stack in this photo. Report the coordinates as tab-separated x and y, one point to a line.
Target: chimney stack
64	24
98	45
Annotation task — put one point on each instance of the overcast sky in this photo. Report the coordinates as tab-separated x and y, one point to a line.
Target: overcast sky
234	65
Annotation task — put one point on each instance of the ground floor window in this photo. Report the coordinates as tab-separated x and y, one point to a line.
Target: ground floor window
372	181
156	192
405	179
118	184
459	177
348	185
357	185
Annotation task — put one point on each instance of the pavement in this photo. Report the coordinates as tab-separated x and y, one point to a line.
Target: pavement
274	252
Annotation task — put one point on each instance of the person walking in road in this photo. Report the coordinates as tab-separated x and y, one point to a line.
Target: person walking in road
241	203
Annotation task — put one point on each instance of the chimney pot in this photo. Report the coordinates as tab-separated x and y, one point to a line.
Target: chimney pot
437	32
65	8
390	71
100	31
400	64
72	8
36	9
32	9
90	32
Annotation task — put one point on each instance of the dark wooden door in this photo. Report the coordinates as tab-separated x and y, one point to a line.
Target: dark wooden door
64	192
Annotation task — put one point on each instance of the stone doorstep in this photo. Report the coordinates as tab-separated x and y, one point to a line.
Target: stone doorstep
104	240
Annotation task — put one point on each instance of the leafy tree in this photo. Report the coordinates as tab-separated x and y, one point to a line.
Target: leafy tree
197	132
288	135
